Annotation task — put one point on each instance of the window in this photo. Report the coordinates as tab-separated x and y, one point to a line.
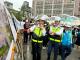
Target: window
47	11
48	6
57	6
68	11
57	1
68	5
79	4
79	8
57	11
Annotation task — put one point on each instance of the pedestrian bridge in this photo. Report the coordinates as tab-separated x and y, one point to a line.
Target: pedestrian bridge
18	50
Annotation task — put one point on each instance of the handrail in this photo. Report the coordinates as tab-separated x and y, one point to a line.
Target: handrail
18	44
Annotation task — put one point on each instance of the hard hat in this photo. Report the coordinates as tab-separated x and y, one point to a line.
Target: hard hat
57	18
68	25
44	17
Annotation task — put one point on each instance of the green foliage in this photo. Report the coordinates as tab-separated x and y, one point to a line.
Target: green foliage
18	15
3	50
9	32
10	38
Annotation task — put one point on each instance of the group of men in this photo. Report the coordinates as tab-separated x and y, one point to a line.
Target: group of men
59	39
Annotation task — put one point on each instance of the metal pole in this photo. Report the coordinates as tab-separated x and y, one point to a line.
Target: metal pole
35	8
43	6
74	8
62	6
52	7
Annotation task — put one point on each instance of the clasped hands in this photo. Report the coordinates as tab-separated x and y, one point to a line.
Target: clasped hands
52	33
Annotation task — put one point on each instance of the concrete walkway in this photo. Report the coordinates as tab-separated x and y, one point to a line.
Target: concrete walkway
75	55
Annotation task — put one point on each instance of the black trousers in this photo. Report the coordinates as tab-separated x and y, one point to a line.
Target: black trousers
66	51
45	40
25	37
55	47
36	50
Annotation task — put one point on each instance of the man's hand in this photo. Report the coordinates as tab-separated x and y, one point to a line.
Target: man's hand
52	33
24	30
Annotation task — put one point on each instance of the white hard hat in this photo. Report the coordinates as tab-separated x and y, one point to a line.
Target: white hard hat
44	17
57	18
68	25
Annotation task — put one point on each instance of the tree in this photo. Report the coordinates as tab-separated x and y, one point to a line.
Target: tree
17	14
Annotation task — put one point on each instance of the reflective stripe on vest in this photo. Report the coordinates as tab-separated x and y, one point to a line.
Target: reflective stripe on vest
55	40
38	32
55	30
37	41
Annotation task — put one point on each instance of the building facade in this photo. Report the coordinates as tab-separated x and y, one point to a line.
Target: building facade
53	7
77	8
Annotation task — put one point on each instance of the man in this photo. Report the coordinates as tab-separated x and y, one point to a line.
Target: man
26	27
66	43
38	31
55	33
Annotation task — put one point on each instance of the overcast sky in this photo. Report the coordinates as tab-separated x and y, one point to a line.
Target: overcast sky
18	3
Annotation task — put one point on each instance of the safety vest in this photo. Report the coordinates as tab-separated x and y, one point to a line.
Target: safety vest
55	30
38	32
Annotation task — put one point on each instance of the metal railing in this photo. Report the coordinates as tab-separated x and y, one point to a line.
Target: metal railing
18	41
